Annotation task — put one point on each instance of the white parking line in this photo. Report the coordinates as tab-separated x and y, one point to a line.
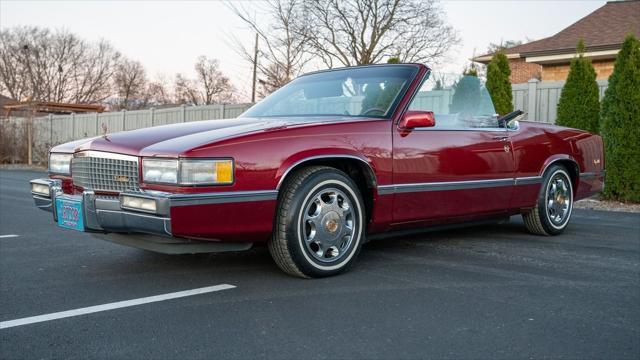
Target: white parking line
111	306
8	236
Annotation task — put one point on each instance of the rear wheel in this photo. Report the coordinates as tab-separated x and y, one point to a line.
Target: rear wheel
555	203
319	225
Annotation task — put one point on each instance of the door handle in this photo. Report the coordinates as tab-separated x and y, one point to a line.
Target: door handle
501	138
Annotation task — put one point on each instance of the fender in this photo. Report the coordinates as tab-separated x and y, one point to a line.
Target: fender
559	157
293	161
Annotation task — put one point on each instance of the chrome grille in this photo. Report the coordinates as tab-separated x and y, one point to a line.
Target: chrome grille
102	171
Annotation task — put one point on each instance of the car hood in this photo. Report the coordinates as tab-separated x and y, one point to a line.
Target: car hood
176	139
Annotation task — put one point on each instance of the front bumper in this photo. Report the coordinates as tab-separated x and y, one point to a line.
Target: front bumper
105	213
106	218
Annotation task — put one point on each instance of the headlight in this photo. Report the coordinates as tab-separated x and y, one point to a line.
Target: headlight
160	171
187	171
209	172
60	163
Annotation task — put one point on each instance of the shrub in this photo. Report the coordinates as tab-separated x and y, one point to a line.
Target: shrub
13	144
498	83
471	71
579	105
621	124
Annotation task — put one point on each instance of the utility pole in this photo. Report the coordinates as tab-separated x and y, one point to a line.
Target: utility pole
255	70
31	109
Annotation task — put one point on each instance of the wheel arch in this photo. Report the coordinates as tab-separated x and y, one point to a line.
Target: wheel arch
357	168
570	164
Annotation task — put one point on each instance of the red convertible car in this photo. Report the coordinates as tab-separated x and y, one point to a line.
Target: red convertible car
327	162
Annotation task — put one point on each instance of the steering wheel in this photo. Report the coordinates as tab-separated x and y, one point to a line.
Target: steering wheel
382	111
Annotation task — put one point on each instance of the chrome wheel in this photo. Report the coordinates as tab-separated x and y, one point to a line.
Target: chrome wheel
558	199
328	225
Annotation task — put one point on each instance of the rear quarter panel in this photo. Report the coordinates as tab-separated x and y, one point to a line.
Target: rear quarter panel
537	145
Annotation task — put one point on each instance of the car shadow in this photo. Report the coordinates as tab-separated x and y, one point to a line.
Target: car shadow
256	262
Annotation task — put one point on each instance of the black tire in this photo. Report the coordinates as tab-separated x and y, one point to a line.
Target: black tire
544	218
297	242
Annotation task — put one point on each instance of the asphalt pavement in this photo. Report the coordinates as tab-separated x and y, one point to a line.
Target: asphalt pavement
483	292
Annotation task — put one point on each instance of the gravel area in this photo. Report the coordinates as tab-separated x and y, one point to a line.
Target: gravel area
607	205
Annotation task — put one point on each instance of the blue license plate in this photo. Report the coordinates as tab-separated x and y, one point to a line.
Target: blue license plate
70	214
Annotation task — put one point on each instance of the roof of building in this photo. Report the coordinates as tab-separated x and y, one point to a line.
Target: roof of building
5	100
46	107
603	29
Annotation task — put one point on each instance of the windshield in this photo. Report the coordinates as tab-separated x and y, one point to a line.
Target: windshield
457	101
372	91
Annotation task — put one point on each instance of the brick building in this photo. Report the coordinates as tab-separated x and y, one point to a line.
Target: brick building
603	32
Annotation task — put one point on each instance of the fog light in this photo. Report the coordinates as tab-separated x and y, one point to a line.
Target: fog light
137	203
40	189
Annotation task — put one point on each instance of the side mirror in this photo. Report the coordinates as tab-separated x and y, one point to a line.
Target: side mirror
416	119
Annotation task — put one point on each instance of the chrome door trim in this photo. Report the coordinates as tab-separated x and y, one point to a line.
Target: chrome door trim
456	185
444	186
528	180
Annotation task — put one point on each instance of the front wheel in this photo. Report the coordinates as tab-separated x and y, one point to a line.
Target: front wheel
555	203
319	225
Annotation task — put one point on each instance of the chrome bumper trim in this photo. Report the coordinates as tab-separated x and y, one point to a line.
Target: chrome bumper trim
106	214
125	221
222	197
47	203
103	214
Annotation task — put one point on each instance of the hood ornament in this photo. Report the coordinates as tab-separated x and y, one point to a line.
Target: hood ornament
104	130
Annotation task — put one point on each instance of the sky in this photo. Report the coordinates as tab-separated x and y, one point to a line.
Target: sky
168	36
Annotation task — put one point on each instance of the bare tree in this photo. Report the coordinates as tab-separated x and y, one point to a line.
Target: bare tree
215	86
359	32
130	82
283	42
92	80
210	87
186	91
38	64
157	92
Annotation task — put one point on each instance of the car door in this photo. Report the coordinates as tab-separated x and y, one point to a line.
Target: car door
461	166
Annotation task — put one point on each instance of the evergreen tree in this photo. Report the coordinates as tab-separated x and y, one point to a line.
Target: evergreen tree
498	83
579	105
620	124
467	96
